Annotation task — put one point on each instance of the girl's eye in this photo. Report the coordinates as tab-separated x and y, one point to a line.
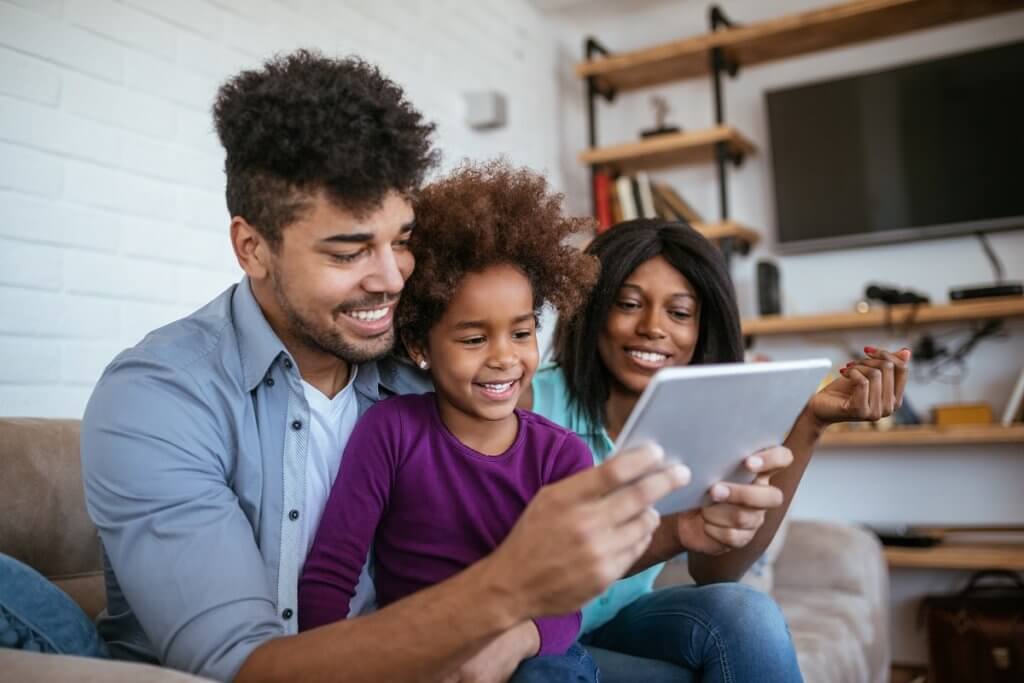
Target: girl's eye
472	341
402	244
628	305
522	334
681	315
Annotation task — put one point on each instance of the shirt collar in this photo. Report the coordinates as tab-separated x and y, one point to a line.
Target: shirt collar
258	345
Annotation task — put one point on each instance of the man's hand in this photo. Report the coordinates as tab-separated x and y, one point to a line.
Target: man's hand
498	661
582	533
870	388
739	509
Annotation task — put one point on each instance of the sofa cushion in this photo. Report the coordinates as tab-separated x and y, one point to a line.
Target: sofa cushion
831	631
44	522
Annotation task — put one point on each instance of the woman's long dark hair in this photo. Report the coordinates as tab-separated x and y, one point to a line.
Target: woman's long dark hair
621	250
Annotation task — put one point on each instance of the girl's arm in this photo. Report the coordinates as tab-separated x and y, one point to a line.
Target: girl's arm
357	502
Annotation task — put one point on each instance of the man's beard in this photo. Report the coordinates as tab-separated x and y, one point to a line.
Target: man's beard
329	339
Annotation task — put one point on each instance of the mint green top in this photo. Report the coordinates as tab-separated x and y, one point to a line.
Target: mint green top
551	399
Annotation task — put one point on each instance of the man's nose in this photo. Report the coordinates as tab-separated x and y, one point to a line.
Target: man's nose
386	276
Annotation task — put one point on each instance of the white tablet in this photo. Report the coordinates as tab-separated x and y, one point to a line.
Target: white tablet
711	417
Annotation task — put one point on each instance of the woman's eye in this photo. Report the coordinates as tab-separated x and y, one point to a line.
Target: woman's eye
402	244
629	305
681	315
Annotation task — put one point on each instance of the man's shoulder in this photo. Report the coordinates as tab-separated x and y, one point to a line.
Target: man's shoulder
184	343
174	366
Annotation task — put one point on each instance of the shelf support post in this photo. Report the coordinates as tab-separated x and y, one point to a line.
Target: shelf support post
594	89
720	63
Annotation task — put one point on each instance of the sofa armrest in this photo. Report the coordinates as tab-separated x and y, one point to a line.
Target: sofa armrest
36	667
832	556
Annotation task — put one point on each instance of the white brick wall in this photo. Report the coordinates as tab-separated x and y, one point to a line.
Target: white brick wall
112	218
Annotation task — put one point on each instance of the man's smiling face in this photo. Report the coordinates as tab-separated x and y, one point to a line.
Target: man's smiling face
336	277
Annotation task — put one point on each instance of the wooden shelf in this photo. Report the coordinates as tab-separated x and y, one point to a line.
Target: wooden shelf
894	316
924	435
958	556
727	229
672	149
765	41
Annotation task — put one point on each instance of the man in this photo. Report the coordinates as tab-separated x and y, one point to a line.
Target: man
209	448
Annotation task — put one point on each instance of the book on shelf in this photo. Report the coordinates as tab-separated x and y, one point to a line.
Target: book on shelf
602	200
627	197
645	195
672	206
1014	411
614	205
627	201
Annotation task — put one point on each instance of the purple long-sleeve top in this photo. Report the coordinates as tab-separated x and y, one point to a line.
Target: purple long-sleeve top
430	506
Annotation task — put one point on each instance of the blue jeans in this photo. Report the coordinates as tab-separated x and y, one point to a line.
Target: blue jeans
36	615
719	633
575	666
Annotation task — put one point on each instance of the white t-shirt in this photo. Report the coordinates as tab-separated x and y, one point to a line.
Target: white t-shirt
331	423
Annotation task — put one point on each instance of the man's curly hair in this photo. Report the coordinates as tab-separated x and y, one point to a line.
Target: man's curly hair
490	214
305	123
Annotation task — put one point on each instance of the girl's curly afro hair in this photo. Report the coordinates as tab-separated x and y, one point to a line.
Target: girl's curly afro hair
304	123
489	214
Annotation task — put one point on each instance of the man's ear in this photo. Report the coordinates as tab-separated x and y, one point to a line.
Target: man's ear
251	249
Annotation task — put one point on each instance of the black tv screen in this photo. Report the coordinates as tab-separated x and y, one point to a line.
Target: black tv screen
927	150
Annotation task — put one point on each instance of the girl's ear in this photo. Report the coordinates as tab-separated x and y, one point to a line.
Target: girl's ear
416	351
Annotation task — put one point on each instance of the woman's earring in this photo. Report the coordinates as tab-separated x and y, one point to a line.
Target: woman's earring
423	364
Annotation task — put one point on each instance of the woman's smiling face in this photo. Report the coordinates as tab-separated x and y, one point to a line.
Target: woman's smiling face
653	323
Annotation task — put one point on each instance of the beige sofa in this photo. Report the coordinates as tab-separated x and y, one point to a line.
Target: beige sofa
830	580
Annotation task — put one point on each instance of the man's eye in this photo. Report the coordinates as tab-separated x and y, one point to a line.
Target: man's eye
346	258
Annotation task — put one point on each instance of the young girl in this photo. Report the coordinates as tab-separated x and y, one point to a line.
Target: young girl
434	482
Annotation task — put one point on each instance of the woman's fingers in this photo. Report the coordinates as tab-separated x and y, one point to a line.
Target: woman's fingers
769	460
734	516
729	536
747	495
860	399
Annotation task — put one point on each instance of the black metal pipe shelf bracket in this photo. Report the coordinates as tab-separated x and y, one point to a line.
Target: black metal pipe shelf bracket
591	47
720	62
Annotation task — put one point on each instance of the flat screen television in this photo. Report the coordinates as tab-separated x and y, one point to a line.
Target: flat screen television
928	150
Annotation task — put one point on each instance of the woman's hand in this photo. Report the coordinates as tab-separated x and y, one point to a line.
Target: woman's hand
499	659
870	388
738	510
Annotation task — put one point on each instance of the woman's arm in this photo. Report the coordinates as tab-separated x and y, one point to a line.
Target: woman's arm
869	389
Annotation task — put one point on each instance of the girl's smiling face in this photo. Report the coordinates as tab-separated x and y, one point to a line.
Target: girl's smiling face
653	323
483	350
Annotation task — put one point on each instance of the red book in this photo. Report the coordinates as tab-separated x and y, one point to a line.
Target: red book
602	185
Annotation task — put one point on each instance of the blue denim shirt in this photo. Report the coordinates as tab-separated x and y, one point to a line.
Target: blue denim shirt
194	446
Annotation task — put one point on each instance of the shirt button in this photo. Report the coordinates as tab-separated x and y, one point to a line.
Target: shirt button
287	613
297	425
288	363
269	381
293	515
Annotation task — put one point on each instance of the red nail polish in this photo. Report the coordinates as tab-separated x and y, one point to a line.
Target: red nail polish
870	349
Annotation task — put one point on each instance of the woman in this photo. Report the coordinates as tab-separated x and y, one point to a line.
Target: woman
664	298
